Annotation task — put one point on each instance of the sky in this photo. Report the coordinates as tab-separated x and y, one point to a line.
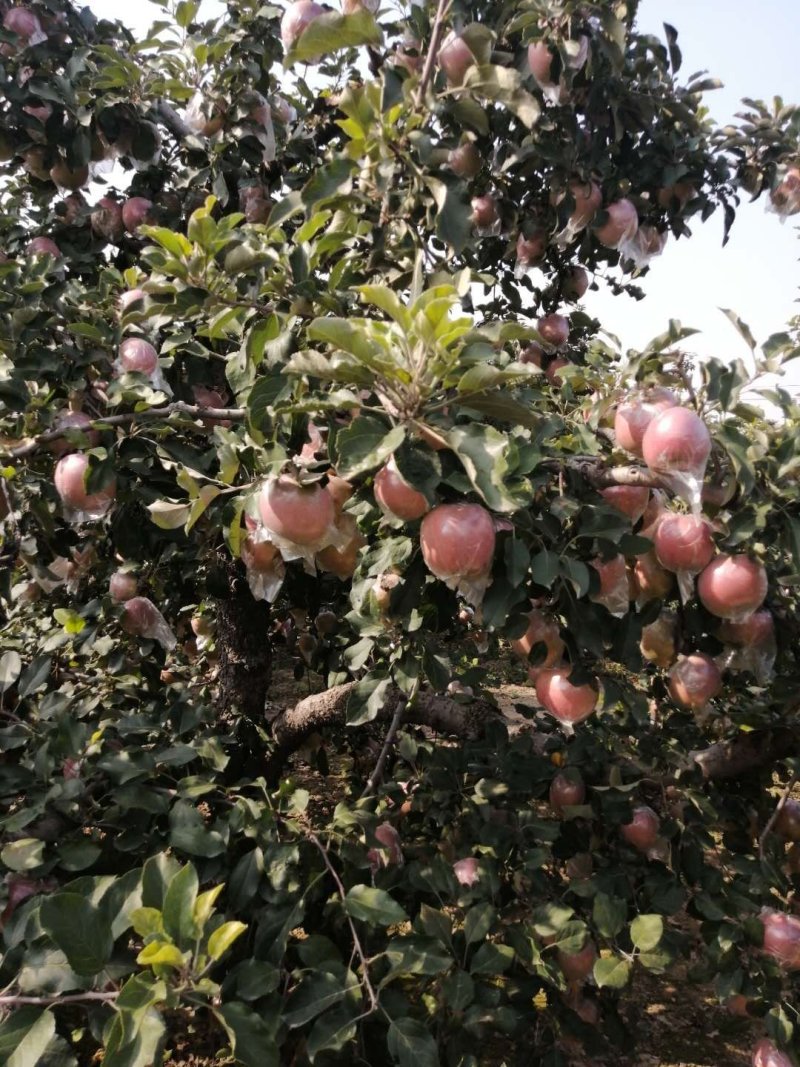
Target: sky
757	274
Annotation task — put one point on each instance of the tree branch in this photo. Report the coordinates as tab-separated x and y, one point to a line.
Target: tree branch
391	733
730	759
172	120
433	49
193	411
75	998
321	711
762	841
602	477
372	996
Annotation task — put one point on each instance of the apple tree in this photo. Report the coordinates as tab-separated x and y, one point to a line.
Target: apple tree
297	385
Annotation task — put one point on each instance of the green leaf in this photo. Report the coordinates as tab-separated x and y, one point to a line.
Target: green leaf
478	922
332	32
647	931
485	453
147	921
741	328
609	914
504	85
80	930
223	937
373	906
178	909
331	1031
366	699
23	855
10	669
454	213
411	1044
365	444
492	959
612	972
25	1035
251	1038
161	953
458	990
315	994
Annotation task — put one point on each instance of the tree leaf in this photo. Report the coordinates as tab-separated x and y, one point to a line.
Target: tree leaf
612	972
485	453
10	669
25	1035
252	1039
366	444
373	906
223	937
316	993
178	909
80	930
24	854
609	914
478	922
331	32
647	931
411	1044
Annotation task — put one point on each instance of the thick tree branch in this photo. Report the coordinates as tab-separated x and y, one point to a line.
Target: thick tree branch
321	711
731	759
172	120
601	477
192	411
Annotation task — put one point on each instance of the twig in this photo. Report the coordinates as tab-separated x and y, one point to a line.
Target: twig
762	841
391	733
193	411
75	998
433	48
601	477
359	951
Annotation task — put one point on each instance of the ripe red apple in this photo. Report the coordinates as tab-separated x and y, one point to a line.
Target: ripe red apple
620	226
554	329
566	791
752	631
531	249
576	966
642	831
465	160
694	681
70	482
122	586
22	21
659	640
787	824
553	367
455	58
484	212
785	197
74	420
575	284
458	541
541	630
767	1054
684	543
396	497
142	618
43	246
138	356
732	587
614	589
540	60
652	581
588	199
653	514
676	440
131	297
570	704
297	17
340	491
259	555
66	178
782	938
255	202
352	7
532	353
106	220
326	622
631	500
136	212
343	561
634	415
300	514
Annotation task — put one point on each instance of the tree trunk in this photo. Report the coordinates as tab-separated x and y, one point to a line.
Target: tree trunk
245	652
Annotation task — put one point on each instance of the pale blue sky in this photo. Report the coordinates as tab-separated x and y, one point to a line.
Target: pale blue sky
751	45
